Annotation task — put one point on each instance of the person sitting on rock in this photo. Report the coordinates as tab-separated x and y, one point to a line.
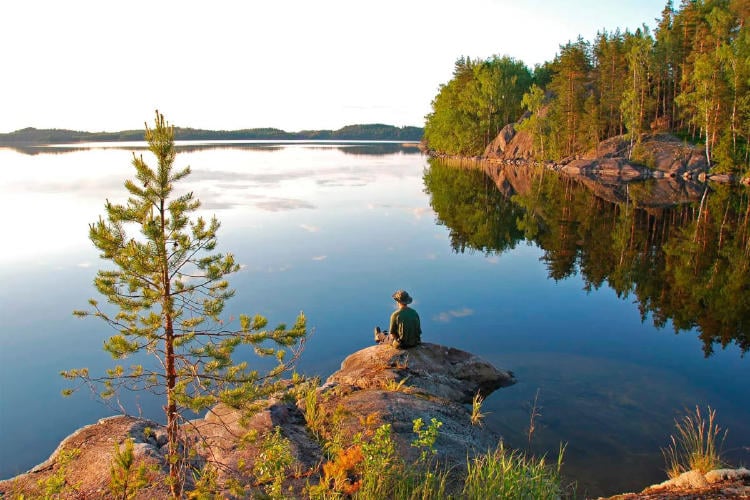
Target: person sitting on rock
405	330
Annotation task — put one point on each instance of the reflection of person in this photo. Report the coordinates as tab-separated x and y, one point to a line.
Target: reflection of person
405	329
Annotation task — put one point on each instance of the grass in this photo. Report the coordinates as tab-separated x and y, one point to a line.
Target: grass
372	469
394	386
696	445
511	474
312	411
476	410
536	412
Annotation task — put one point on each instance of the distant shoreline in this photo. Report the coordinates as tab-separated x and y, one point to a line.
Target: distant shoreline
372	132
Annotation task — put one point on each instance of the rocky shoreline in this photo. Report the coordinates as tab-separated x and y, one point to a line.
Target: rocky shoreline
694	485
376	385
666	157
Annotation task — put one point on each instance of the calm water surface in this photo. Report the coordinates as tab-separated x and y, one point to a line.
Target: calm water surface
334	229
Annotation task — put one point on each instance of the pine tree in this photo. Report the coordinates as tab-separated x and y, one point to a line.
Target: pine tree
167	291
572	67
610	76
666	68
636	101
535	123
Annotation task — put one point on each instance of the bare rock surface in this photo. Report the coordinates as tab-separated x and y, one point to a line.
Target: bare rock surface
377	385
396	386
223	437
498	146
619	168
83	461
656	156
694	485
510	144
439	371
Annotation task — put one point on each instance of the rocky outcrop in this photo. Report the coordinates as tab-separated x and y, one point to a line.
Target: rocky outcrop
377	385
656	156
80	466
431	369
428	381
694	485
510	144
608	168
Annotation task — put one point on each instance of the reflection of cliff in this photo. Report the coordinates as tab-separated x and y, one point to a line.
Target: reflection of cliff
653	193
685	262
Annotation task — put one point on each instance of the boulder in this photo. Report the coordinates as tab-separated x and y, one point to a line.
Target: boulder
719	475
85	457
614	168
386	385
223	437
435	370
717	484
496	148
689	479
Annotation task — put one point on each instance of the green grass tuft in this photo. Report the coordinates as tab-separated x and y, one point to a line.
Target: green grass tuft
696	445
511	474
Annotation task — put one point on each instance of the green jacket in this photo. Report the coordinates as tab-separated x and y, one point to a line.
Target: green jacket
405	328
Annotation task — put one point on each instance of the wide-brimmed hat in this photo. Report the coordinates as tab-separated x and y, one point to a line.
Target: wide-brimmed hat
402	297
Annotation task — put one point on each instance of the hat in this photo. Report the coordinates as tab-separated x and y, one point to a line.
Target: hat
402	297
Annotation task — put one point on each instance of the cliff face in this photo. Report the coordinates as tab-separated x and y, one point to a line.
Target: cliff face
656	156
677	170
377	385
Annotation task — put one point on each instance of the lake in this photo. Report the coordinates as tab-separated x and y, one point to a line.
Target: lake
616	318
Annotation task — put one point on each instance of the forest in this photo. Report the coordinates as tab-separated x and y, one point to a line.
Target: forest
370	132
689	76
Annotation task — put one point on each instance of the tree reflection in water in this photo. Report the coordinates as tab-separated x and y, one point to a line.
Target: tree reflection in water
686	262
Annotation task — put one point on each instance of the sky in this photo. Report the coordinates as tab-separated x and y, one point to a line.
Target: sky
289	64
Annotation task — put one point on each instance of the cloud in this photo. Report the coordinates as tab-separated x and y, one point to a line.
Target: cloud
493	259
448	316
334	176
219	205
421	211
85	265
279	204
320	257
280	269
342	182
309	228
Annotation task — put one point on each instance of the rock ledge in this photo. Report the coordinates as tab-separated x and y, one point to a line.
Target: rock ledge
375	386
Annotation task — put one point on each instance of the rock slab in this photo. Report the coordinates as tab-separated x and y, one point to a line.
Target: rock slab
375	386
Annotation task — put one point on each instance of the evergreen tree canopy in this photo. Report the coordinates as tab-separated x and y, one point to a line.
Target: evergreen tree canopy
167	289
690	77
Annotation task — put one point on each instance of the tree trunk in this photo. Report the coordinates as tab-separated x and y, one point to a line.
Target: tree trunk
173	423
173	428
708	148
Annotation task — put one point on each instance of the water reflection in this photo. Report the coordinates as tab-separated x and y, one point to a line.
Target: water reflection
685	263
352	147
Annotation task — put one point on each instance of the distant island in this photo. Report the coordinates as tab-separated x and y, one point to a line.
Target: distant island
371	132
